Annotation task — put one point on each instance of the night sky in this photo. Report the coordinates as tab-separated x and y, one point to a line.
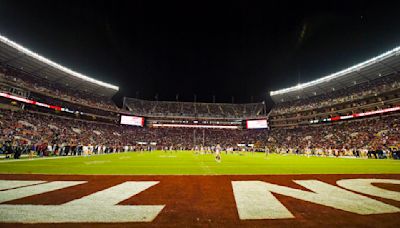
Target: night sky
242	49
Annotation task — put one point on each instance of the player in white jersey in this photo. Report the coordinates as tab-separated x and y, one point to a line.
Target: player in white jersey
218	153
266	151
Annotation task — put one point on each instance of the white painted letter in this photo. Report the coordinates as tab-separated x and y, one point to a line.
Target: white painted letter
250	194
365	186
97	207
254	201
19	193
8	184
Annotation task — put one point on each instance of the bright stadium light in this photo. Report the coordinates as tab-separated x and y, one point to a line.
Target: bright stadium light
357	67
42	59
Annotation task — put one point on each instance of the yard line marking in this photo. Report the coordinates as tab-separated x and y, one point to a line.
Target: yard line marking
34	159
50	158
204	167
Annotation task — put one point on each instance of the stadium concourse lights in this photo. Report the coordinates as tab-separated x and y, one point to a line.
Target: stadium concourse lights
42	59
300	86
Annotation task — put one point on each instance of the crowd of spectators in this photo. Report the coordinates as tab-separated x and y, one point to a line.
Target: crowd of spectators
168	108
63	95
53	89
356	92
72	106
349	138
33	128
354	138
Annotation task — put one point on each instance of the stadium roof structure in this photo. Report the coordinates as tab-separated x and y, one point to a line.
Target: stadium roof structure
16	56
379	66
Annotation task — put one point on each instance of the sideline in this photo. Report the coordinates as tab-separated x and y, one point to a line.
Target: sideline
33	159
50	158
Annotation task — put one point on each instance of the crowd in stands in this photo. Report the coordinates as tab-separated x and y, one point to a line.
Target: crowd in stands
72	106
64	96
51	133
35	129
53	89
46	132
356	92
349	138
168	108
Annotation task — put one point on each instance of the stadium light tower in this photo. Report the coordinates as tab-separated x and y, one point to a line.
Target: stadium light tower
55	65
342	73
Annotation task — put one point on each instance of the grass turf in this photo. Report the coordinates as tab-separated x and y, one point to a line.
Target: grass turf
187	163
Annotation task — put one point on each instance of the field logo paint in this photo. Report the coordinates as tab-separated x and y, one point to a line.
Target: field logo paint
8	184
365	186
18	193
97	207
254	199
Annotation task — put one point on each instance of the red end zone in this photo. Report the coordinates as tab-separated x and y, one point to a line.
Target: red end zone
228	201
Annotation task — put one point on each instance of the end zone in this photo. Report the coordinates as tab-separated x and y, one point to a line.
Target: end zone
244	200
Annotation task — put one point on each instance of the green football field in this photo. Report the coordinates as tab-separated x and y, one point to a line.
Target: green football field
187	163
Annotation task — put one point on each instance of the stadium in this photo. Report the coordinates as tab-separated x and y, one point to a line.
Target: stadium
326	152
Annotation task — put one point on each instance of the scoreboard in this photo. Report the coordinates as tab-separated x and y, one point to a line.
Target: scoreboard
256	124
132	120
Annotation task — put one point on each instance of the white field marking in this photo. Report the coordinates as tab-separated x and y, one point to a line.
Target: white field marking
97	207
78	214
34	159
22	156
167	156
115	194
323	194
8	184
253	201
204	167
365	186
18	193
48	158
95	162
